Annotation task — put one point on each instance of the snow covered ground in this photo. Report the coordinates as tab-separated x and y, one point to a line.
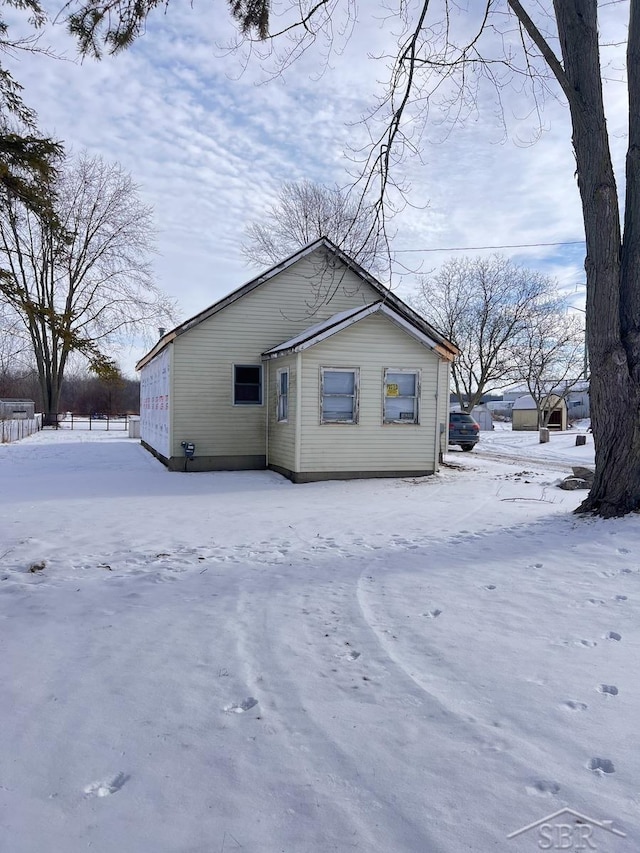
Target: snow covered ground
561	449
228	662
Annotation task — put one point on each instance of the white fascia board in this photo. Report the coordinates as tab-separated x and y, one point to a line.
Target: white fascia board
367	311
322	335
311	331
408	327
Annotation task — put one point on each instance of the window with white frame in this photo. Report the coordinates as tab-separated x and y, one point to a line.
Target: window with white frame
401	393
247	384
339	395
282	378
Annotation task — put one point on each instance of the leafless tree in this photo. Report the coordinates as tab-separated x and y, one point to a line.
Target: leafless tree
81	285
306	211
549	357
484	305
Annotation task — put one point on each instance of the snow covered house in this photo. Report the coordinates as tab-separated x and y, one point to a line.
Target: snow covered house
313	369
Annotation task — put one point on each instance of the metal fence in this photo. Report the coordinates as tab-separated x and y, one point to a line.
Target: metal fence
13	429
95	421
16	428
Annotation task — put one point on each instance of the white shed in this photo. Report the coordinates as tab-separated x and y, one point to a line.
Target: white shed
481	414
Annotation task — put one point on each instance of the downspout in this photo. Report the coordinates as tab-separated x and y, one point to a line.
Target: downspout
172	398
436	446
266	406
298	411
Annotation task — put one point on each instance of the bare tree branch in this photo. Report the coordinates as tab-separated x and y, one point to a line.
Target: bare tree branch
304	212
485	306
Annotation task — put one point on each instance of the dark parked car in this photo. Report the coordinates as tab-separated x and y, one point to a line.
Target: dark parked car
463	430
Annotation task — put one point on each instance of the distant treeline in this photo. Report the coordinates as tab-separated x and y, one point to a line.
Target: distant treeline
80	394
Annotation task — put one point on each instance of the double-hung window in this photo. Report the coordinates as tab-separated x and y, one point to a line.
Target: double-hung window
339	395
282	390
401	394
247	384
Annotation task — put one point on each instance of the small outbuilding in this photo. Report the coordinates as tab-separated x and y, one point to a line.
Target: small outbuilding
525	413
481	414
17	410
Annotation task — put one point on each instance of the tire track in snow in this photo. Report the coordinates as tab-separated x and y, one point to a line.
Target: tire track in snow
321	746
544	463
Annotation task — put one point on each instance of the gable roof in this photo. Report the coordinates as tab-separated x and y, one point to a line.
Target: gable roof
321	244
321	331
527	402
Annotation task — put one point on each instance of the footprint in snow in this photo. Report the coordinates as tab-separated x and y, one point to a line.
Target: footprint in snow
575	706
543	788
105	787
612	635
243	706
608	690
352	655
588	643
432	614
601	765
620	598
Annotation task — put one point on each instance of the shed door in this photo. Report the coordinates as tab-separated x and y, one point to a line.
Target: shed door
556	419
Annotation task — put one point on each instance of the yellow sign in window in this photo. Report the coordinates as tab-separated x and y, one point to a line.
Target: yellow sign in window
393	390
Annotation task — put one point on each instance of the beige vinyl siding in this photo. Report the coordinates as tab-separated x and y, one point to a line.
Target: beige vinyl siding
203	410
524	419
282	436
371	345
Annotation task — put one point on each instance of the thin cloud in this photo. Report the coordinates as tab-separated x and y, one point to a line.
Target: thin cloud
210	147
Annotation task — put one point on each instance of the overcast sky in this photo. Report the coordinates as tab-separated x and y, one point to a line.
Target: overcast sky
210	146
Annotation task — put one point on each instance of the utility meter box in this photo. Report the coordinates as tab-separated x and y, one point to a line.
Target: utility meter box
189	449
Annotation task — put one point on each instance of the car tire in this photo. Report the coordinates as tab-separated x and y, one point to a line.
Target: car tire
467	447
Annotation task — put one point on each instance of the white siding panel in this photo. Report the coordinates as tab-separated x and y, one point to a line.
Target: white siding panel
155	402
203	410
371	345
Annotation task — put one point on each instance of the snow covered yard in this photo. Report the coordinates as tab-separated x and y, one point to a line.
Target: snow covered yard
559	452
227	662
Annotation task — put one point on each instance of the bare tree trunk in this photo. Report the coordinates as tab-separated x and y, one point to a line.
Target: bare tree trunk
612	304
50	396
